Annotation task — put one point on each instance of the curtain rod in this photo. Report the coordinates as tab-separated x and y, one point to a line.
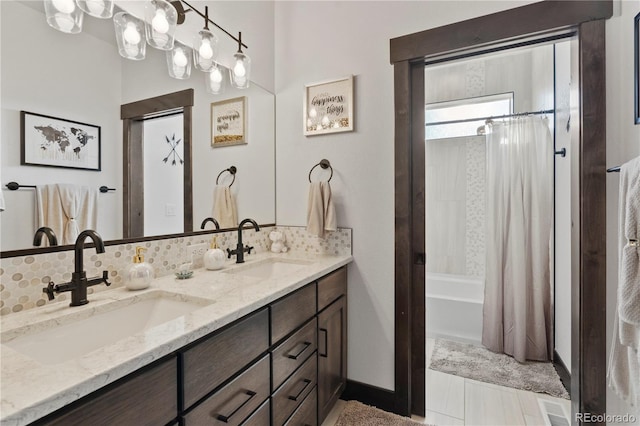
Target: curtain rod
468	120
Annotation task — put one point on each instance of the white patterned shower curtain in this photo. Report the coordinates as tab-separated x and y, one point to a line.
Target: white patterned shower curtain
517	317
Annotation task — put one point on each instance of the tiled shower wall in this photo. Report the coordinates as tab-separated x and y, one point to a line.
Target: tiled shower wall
22	278
455	205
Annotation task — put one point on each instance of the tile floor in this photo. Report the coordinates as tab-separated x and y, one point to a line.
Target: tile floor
453	400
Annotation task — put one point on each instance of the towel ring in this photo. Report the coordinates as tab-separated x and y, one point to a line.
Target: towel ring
325	164
231	170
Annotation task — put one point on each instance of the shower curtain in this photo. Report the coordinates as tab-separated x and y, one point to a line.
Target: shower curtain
517	304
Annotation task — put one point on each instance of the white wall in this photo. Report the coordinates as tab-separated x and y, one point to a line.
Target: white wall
163	181
35	78
320	40
623	144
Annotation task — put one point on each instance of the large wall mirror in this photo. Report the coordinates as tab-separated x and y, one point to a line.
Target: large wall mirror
82	78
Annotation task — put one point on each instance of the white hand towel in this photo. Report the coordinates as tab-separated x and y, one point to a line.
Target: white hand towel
224	207
66	209
624	360
2	205
321	213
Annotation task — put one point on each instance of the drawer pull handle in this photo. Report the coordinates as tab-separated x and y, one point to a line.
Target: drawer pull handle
324	355
304	348
307	382
226	419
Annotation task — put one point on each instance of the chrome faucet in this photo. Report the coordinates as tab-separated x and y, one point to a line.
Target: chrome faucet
45	230
210	219
240	248
79	282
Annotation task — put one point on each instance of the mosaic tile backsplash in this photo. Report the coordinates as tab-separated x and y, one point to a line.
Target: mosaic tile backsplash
22	278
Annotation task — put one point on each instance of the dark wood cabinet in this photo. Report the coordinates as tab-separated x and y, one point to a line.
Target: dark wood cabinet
332	355
282	364
144	398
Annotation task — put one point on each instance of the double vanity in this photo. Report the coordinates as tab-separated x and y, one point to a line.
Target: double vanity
258	343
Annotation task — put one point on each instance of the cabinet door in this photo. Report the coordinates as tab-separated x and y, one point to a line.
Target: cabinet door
332	355
148	398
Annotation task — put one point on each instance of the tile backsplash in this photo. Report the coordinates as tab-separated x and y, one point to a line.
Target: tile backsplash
22	278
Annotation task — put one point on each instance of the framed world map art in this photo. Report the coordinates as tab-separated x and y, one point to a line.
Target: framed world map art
57	142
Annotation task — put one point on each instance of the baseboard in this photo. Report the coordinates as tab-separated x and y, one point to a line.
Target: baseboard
563	372
383	399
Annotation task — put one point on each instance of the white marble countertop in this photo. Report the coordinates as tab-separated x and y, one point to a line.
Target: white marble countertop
31	389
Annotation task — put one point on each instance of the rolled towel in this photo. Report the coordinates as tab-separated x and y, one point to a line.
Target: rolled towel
321	213
224	207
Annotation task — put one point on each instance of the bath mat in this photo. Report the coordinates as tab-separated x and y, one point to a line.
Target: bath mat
478	363
357	413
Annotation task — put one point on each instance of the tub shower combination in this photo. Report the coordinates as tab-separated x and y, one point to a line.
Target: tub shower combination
454	307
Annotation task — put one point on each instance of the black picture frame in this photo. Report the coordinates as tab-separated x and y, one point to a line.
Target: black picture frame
636	67
48	141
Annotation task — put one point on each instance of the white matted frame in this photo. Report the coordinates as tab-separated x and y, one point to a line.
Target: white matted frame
328	107
229	122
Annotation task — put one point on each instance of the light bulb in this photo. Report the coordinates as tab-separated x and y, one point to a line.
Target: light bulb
180	59
239	70
205	50
96	7
160	23
131	34
313	113
215	76
325	121
64	6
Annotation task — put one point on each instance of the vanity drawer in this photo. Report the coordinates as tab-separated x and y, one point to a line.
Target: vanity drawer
234	402
293	391
292	311
209	363
291	353
149	398
306	414
261	416
331	287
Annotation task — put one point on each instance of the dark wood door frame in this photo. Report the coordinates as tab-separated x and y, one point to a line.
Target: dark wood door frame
408	55
132	115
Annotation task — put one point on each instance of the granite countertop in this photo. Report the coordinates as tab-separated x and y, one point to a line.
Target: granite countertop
31	389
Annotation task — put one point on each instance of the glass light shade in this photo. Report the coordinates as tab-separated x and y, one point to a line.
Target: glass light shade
205	50
64	15
240	71
179	61
102	9
130	36
215	80
160	24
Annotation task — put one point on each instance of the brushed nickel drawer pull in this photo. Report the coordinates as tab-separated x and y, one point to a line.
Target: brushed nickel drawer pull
226	419
304	348
324	355
307	382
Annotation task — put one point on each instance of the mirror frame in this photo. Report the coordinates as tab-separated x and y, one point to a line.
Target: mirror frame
133	115
407	55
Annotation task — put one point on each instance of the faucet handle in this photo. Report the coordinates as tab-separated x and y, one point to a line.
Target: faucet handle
50	289
229	253
105	276
248	249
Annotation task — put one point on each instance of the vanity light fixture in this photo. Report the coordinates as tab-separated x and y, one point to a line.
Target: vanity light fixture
161	18
241	67
179	61
130	36
102	9
64	15
158	30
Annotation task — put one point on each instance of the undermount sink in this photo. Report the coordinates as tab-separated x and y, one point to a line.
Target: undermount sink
269	268
77	333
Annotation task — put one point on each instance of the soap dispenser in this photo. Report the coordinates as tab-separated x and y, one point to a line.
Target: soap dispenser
214	257
140	273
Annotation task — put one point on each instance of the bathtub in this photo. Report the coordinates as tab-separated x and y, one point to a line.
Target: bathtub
454	307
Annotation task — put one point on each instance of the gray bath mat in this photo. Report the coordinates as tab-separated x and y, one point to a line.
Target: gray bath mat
477	363
357	413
